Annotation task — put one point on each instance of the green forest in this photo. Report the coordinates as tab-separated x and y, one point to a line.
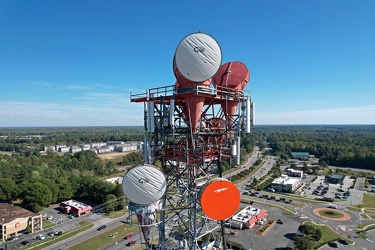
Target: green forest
337	145
37	179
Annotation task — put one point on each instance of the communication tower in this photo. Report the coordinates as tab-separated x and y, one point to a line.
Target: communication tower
190	128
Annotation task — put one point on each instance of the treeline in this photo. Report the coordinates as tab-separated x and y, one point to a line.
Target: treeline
40	180
345	145
16	137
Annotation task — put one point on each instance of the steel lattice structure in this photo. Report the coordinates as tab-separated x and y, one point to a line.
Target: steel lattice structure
190	157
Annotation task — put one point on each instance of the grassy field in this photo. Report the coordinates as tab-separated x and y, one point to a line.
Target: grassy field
328	235
117	214
368	201
362	225
330	214
354	209
106	238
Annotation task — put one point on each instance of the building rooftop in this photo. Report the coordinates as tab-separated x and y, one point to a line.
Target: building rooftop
284	179
9	212
294	171
300	153
338	176
75	204
247	213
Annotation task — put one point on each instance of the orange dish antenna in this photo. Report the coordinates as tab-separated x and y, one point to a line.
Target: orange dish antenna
220	199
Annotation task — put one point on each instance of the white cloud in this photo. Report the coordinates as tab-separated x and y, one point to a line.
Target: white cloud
42	84
100	99
54	114
83	86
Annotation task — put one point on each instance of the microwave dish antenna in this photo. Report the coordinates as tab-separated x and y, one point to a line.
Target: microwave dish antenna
198	57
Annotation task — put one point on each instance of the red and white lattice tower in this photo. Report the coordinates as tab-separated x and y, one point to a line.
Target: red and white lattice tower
190	128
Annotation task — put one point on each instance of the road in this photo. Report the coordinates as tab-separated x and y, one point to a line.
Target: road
110	223
268	164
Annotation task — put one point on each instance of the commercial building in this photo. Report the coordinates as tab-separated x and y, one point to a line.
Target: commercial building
115	180
248	217
294	173
337	179
75	207
286	183
15	220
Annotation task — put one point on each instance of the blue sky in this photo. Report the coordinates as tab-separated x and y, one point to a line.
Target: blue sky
74	63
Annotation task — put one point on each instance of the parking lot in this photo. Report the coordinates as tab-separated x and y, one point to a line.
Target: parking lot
329	190
278	237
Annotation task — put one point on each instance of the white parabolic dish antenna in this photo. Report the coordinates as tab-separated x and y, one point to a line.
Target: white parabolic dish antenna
198	57
144	184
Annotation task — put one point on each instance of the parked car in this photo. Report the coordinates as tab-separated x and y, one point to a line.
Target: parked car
49	217
51	233
25	242
130	243
333	244
101	227
327	199
279	222
40	237
344	242
128	236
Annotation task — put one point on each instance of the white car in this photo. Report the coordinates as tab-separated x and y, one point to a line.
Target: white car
49	217
332	206
41	237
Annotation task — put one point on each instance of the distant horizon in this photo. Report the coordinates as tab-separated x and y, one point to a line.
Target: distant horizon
119	126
